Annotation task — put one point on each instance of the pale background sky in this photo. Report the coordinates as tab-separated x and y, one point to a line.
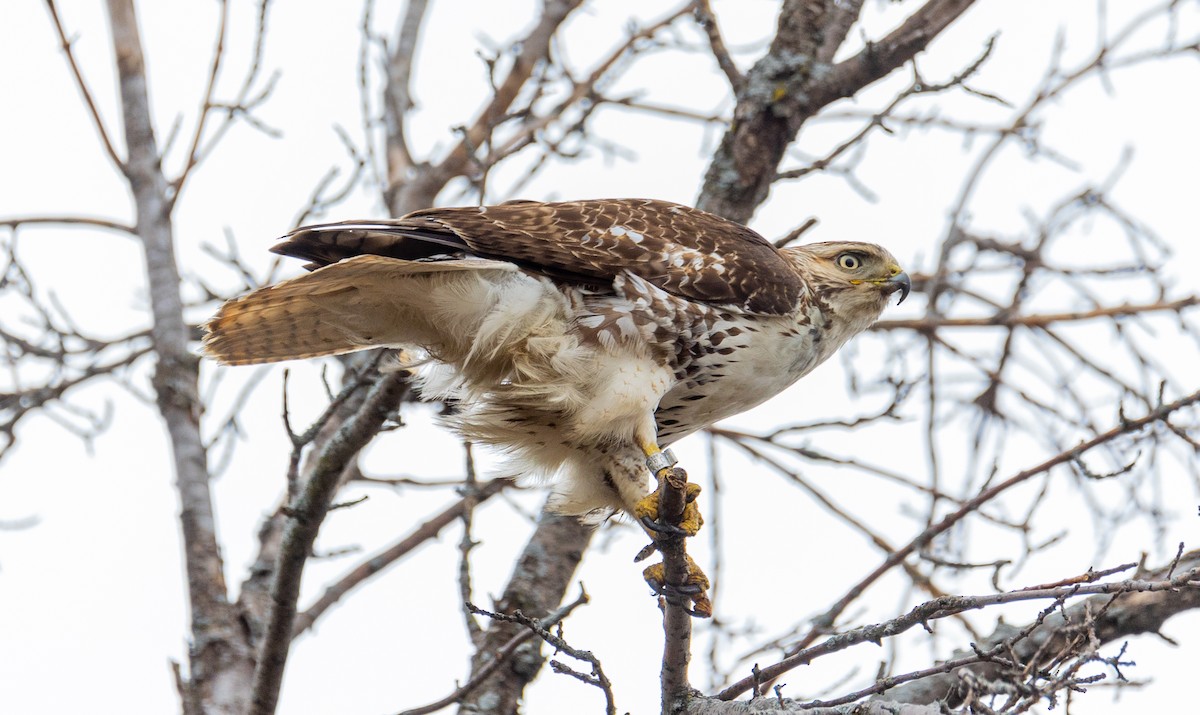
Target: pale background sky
92	598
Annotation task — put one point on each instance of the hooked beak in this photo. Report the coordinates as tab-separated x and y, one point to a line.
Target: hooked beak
900	282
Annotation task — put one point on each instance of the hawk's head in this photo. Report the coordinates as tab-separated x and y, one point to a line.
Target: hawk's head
855	279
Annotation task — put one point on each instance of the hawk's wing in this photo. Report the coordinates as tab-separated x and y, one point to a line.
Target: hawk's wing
684	251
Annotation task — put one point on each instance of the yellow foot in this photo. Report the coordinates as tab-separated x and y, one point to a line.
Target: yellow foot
690	591
646	511
693	589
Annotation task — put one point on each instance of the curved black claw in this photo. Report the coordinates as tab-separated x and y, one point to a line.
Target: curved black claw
683	597
685	590
690	595
646	552
659	527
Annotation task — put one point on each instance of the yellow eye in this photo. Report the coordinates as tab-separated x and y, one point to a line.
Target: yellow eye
849	262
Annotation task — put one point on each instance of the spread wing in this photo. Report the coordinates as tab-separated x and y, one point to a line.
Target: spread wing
684	251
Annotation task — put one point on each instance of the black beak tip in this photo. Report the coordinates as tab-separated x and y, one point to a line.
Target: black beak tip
903	284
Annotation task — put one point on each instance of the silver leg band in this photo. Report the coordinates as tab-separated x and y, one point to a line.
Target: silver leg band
660	461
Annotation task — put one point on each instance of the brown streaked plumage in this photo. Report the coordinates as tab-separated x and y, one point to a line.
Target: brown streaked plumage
580	335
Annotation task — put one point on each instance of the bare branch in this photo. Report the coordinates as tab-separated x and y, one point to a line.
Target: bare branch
1054	84
541	576
677	617
1142	608
784	89
952	605
206	103
21	403
838	22
418	191
918	87
107	224
97	121
597	677
533	124
708	23
1007	319
397	98
503	655
826	620
467	543
241	107
220	663
305	516
377	563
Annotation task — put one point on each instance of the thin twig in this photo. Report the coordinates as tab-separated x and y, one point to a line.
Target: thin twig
97	121
708	22
17	221
499	658
206	103
1038	320
825	621
377	563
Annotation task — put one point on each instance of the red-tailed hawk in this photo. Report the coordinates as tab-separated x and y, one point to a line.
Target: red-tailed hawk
581	336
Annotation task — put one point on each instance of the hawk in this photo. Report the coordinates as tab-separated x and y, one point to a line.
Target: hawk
582	337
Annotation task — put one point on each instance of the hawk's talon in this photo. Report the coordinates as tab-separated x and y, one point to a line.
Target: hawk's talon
668	590
659	527
646	552
646	511
691	595
691	591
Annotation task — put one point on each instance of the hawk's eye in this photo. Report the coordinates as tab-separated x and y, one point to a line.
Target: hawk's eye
849	261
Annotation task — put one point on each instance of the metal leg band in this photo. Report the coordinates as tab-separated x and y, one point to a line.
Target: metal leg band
661	460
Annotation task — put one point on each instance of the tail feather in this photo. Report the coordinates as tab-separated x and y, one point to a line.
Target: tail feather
359	303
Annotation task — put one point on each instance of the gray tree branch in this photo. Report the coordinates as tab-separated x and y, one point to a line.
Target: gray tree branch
397	94
304	517
1121	616
377	563
791	83
797	655
419	190
220	659
543	572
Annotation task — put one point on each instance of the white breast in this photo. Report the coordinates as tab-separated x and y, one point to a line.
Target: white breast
762	364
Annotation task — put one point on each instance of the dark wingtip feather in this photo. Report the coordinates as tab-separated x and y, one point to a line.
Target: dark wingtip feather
324	244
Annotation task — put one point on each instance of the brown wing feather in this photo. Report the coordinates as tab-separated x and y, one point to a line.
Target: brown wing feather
684	251
328	243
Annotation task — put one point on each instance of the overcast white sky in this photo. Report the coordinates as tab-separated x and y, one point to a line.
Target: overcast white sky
92	602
